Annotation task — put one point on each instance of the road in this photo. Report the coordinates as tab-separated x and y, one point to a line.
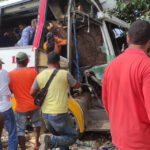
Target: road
88	141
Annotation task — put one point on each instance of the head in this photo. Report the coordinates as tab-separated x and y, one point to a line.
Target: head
1	63
34	23
139	34
22	59
53	60
21	26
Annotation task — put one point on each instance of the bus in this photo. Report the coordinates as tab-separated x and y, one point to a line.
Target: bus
94	38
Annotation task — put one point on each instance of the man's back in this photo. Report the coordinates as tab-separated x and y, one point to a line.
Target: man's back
20	83
126	99
56	100
5	93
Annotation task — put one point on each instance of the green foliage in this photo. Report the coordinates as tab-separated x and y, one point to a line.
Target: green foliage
132	10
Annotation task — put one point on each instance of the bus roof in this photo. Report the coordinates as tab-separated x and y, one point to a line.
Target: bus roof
8	3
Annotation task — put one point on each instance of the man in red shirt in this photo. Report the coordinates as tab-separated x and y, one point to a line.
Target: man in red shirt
126	91
21	80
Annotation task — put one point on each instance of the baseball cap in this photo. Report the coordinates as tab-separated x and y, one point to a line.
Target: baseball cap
21	56
1	62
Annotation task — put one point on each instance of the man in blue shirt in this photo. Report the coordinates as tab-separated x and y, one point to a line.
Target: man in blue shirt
28	34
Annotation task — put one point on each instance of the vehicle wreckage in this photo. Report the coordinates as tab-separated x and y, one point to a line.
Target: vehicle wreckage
93	39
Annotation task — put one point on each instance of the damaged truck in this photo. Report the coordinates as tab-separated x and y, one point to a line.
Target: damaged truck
93	38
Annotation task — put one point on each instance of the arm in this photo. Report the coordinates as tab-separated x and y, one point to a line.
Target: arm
35	88
145	89
104	92
77	85
26	36
72	82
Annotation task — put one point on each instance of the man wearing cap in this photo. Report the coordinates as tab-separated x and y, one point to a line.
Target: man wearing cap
55	105
6	113
21	80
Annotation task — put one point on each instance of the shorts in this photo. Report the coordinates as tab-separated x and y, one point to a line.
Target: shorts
21	118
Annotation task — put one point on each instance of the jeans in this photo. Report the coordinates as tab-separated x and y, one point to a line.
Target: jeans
61	126
21	118
10	125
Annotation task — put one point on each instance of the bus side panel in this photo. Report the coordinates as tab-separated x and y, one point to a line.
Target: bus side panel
8	56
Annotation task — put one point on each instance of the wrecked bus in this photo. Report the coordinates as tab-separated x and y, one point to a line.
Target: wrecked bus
93	39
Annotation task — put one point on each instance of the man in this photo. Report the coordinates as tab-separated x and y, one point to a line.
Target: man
5	40
125	91
27	35
21	80
21	27
1	128
53	41
55	105
6	113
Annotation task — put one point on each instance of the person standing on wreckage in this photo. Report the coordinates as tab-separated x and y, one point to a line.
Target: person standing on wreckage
126	91
55	105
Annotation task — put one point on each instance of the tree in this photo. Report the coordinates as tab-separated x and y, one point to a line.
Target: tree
131	10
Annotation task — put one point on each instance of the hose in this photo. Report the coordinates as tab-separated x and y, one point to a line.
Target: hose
76	47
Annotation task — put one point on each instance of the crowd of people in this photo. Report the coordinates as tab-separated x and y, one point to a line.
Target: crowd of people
24	83
20	36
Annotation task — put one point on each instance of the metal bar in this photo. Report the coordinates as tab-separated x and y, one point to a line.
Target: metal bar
107	40
69	29
113	19
96	5
86	15
0	16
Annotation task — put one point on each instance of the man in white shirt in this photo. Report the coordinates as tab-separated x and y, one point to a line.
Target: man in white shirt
6	110
1	127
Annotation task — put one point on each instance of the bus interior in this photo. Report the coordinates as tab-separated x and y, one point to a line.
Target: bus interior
13	14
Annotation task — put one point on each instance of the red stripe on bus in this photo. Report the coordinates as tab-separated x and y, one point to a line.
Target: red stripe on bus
40	23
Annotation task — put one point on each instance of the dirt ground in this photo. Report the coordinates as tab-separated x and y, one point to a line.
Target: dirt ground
89	141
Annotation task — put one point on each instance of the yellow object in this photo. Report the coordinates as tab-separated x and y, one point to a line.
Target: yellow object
56	101
73	106
45	45
77	111
59	40
14	103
